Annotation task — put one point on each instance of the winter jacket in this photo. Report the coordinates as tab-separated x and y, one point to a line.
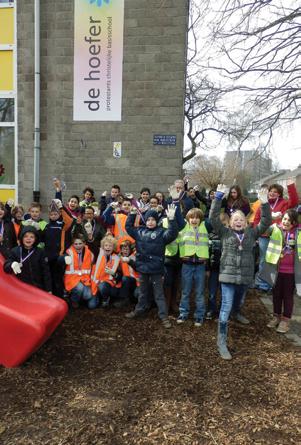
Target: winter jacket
9	237
281	205
150	245
237	266
35	269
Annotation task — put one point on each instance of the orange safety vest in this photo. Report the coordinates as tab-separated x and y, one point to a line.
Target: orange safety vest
119	231
99	274
128	271
76	272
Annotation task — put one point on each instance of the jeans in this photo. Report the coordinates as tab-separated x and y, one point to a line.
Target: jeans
193	274
213	285
263	245
107	292
144	300
82	292
232	298
127	290
283	295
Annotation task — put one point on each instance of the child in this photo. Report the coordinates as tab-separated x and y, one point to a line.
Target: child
34	216
56	242
194	253
118	220
105	276
151	241
89	199
215	250
29	262
283	255
17	214
237	260
77	278
8	238
278	206
143	203
104	201
130	281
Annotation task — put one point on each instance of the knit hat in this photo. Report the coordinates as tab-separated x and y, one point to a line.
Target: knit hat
151	213
29	229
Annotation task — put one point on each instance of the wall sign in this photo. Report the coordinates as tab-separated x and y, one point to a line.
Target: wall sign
164	139
98	53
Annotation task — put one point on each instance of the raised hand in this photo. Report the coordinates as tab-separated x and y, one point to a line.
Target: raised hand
263	195
170	212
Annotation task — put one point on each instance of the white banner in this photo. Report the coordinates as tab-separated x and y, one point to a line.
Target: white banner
98	55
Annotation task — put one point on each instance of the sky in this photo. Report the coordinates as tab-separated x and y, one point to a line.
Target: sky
285	148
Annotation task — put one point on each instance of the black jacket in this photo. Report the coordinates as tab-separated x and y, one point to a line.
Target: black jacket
150	245
9	238
35	269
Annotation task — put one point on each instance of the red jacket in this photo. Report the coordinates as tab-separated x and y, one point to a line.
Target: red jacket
282	205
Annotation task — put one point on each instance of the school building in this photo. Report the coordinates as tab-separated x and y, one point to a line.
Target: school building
91	92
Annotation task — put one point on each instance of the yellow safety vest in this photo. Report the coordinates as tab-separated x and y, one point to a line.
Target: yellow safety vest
171	248
194	242
275	245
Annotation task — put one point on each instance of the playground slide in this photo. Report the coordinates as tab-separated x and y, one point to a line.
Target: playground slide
28	316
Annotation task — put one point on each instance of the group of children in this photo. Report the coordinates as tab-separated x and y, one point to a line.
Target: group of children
121	251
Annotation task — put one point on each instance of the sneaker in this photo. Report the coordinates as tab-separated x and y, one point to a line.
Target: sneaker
166	323
198	322
105	303
240	318
274	322
209	315
283	327
131	314
181	319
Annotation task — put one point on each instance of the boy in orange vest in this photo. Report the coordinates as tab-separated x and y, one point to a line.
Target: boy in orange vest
105	274
77	278
116	217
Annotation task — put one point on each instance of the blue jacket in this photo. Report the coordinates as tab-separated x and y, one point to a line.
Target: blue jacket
150	245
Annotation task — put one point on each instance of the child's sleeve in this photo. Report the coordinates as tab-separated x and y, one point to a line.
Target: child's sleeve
108	217
129	225
214	217
265	220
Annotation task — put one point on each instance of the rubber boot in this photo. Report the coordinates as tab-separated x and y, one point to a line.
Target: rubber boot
222	332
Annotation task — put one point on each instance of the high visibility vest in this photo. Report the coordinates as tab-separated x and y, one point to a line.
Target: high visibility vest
99	274
172	248
275	245
75	272
119	231
128	271
194	242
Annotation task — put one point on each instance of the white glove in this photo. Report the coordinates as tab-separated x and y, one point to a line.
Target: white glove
68	260
104	193
125	259
88	228
10	202
160	208
222	188
276	215
196	188
134	210
129	195
170	212
16	267
114	205
173	192
58	203
263	195
109	271
31	222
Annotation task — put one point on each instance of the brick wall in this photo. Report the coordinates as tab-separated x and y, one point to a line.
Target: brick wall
152	103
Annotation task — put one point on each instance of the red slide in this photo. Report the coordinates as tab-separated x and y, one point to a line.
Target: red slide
28	316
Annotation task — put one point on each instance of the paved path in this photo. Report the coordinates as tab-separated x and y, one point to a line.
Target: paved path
294	333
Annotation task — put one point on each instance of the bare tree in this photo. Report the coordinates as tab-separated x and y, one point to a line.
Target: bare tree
259	52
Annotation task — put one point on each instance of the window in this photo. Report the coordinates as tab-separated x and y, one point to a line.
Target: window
7	155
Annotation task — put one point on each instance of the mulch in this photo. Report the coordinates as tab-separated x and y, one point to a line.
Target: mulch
103	379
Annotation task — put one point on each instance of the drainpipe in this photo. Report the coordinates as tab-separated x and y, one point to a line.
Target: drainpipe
37	146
